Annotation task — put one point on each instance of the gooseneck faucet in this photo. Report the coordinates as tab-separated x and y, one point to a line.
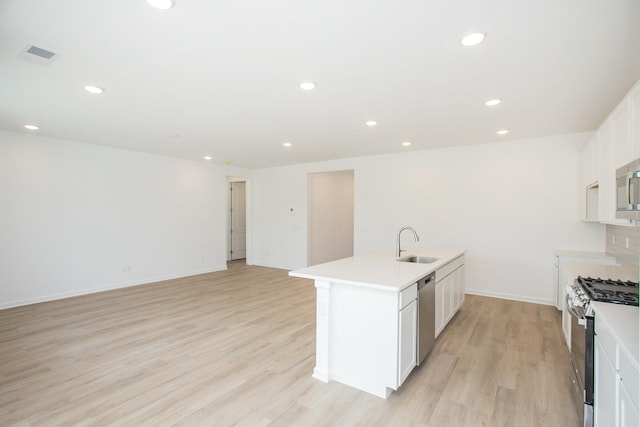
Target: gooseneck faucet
415	235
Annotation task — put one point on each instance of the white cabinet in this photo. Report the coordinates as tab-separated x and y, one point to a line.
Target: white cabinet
616	392
604	387
365	337
449	292
589	181
628	412
616	143
634	118
408	340
620	134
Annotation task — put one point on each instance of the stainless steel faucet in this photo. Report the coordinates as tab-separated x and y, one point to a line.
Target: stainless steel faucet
415	235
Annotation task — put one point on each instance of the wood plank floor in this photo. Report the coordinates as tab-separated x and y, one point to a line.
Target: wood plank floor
237	348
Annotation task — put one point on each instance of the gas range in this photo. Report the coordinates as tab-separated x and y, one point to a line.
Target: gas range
608	290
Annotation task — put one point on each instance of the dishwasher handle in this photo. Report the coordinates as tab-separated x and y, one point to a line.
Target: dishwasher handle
426	281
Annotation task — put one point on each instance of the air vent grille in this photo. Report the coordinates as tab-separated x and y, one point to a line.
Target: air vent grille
42	53
37	55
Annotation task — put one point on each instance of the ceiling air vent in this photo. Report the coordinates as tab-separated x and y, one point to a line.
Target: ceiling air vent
42	53
37	55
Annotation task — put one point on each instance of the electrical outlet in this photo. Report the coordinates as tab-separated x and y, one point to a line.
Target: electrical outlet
626	242
613	239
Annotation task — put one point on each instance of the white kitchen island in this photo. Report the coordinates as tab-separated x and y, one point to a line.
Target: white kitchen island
366	314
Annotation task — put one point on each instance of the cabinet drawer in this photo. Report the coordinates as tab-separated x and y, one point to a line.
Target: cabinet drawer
447	269
407	295
629	375
607	341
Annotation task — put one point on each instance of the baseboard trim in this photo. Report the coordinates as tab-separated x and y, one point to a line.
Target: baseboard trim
63	295
510	297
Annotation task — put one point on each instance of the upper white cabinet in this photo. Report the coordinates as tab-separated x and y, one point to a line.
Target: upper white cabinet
620	126
634	115
616	143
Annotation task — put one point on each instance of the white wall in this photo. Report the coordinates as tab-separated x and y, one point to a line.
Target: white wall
74	216
509	204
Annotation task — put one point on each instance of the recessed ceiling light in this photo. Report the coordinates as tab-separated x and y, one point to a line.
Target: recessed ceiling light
307	85
93	89
472	39
493	102
161	4
31	127
371	123
503	131
208	157
406	143
286	144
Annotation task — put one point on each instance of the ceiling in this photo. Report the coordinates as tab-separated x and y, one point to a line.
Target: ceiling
222	77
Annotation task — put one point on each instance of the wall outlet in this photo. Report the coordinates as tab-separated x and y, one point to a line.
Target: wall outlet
626	242
613	239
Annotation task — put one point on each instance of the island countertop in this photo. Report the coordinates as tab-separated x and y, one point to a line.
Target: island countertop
380	270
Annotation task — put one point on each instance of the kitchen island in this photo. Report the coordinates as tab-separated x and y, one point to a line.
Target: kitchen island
367	314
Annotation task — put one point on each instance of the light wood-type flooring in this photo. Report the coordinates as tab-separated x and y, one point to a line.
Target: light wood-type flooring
237	348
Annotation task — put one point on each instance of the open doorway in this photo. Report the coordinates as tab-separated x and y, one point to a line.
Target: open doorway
330	220
237	241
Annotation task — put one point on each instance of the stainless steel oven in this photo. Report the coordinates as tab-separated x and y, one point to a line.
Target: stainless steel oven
582	342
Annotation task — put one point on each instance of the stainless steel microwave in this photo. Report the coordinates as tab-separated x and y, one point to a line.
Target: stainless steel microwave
628	191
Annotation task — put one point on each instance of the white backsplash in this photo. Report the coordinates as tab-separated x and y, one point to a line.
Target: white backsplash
624	244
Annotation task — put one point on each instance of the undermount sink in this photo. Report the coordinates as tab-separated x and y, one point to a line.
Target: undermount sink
418	259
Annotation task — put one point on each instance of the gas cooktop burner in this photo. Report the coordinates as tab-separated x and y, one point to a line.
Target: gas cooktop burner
607	290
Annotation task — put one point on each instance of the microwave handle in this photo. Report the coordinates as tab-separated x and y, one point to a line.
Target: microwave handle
633	190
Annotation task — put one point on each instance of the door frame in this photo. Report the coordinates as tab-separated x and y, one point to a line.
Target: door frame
248	213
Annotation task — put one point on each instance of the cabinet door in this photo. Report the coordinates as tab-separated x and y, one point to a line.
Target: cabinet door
447	287
620	126
604	399
439	304
407	347
459	288
628	415
607	189
634	116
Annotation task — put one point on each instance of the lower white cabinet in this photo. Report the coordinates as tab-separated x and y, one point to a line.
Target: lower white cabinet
365	337
408	340
604	387
449	292
628	411
616	393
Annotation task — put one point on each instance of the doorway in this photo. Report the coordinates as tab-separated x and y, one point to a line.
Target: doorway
330	216
237	220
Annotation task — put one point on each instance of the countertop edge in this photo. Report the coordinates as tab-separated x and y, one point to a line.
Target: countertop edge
409	277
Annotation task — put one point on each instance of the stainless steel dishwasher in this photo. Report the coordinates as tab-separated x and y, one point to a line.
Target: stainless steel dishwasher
426	315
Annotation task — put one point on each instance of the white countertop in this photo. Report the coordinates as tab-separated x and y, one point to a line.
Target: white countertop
379	270
582	254
623	320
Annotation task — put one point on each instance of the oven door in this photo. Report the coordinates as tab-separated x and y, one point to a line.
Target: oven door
582	344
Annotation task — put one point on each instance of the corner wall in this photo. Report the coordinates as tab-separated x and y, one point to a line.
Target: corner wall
78	218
